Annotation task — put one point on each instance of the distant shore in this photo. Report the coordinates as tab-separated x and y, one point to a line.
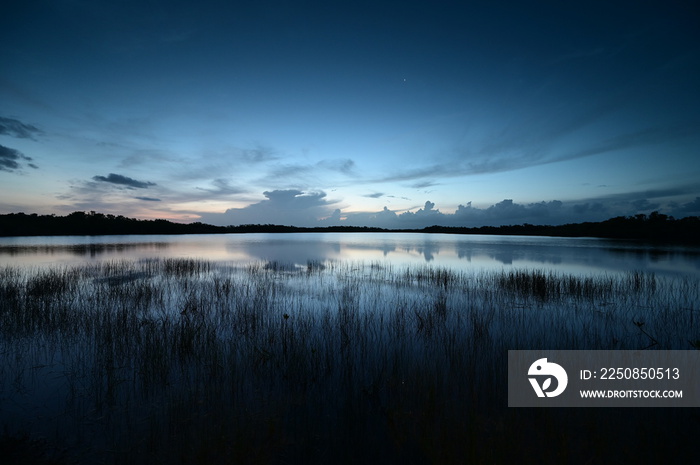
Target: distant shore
654	227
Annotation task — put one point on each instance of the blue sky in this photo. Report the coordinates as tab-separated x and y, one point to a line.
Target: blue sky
394	114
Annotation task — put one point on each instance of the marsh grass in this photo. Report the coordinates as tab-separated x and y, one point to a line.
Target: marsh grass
185	361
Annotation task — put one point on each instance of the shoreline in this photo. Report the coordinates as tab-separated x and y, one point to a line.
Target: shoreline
653	229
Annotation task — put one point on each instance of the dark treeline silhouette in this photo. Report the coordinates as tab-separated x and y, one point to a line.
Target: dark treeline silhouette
654	227
81	223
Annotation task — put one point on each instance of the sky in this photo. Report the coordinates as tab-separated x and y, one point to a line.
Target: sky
390	114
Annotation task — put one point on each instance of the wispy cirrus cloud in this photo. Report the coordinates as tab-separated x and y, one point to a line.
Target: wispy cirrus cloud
640	138
513	156
304	174
345	166
258	154
222	187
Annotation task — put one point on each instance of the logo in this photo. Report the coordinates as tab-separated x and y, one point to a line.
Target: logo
541	374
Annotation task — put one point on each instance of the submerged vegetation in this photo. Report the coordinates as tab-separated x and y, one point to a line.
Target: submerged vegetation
186	361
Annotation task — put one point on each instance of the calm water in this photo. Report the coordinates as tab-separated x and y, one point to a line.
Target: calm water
569	255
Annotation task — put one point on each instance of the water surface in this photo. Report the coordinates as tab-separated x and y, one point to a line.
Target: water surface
473	252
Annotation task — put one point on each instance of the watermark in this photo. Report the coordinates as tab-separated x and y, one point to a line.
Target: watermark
603	378
541	374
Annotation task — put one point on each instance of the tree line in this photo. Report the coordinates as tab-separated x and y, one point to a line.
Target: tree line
652	227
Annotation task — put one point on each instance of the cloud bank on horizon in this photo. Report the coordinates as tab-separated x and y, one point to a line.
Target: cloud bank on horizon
363	114
293	207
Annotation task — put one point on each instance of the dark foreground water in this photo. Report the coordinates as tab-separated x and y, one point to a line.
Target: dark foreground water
327	348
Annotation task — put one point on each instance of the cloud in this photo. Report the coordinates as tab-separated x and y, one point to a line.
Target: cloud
384	218
423	184
259	154
541	141
648	136
502	213
11	159
15	128
124	181
436	169
345	166
111	193
289	207
293	199
306	174
378	195
287	170
634	197
644	205
509	212
222	187
299	208
687	209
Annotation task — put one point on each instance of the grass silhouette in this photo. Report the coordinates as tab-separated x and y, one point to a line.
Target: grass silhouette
187	361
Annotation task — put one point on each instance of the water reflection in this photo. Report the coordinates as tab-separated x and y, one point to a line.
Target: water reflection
284	250
93	250
571	255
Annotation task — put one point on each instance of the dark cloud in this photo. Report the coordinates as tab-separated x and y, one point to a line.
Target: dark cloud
378	195
585	210
687	209
11	159
644	205
148	199
15	128
423	184
124	181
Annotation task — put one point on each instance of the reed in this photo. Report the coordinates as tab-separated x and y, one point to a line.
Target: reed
164	361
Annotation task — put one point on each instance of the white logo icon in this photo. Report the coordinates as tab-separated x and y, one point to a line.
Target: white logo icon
545	371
